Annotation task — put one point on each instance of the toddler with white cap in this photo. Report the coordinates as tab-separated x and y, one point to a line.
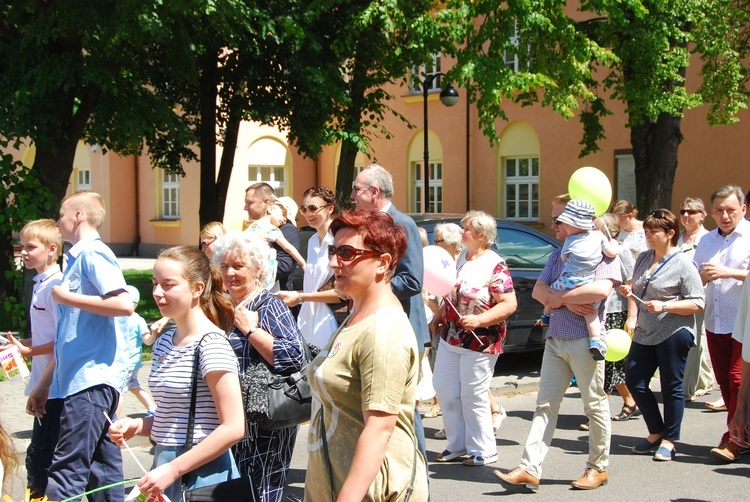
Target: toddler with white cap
582	253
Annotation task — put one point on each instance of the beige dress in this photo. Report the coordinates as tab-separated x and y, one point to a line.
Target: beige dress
373	366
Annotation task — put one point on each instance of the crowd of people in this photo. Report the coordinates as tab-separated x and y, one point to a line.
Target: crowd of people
362	325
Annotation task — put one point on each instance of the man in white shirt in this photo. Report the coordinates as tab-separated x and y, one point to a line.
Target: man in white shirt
723	258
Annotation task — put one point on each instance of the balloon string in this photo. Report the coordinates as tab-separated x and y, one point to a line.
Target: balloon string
461	317
101	488
137	462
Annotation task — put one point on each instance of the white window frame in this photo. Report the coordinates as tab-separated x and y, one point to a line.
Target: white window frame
436	186
418	73
170	195
514	205
85	183
511	59
269	174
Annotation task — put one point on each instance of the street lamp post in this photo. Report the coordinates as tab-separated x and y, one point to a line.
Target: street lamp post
449	97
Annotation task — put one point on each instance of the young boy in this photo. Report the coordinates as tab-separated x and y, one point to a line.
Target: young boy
582	253
137	329
41	245
90	353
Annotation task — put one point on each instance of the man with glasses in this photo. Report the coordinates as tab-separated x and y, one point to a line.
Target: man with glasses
723	259
566	353
258	198
373	190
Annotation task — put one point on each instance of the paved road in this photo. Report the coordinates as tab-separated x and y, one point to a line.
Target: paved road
692	476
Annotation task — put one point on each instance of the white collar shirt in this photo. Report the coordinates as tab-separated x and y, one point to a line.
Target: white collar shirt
723	295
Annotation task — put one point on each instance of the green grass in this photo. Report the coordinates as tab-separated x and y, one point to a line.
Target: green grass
141	280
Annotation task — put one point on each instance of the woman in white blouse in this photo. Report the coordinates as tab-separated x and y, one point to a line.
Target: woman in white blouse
315	320
631	237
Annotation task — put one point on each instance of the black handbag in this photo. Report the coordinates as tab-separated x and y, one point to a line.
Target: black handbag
232	490
340	310
275	401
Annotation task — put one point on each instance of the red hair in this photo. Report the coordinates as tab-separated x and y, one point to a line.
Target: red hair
378	233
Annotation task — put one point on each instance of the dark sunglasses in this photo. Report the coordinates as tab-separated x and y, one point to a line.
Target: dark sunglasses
348	253
311	208
658	214
555	220
689	211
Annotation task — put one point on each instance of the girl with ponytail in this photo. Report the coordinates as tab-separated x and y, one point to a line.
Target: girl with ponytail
188	289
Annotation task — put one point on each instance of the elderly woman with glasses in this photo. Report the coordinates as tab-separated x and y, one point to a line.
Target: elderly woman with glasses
699	378
475	311
316	320
264	333
362	444
669	292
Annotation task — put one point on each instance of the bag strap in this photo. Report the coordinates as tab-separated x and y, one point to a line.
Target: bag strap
325	450
191	412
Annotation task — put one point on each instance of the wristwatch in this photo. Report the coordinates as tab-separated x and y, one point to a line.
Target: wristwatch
253	328
664	307
299	298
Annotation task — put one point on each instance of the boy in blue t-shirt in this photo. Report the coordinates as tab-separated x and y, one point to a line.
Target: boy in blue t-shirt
91	355
41	246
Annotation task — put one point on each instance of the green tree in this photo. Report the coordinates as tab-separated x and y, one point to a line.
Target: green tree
576	60
72	70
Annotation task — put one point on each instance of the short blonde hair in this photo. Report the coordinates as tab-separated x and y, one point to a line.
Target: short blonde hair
483	224
90	203
213	230
45	231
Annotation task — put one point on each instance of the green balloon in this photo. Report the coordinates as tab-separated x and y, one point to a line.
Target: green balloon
593	186
618	345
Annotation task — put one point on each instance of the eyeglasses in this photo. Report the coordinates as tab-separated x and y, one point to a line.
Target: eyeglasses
689	211
438	241
207	243
556	220
356	190
659	214
348	253
311	208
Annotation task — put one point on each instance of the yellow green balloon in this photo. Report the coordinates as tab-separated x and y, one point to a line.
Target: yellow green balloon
618	345
591	185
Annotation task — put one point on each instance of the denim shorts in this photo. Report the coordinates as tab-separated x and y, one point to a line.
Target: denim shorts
222	468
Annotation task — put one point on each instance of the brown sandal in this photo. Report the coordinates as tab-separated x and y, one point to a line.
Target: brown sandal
627	413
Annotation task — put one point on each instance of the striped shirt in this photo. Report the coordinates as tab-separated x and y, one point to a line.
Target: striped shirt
171	385
564	324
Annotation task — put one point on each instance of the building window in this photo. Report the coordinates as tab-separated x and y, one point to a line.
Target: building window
514	59
436	187
83	179
273	175
170	196
418	73
522	188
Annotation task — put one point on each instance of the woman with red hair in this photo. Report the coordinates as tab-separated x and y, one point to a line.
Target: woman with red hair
362	444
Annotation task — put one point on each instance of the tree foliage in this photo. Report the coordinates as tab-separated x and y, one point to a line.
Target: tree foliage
577	60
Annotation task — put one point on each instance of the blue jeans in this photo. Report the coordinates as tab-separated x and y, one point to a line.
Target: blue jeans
669	357
85	458
214	472
44	437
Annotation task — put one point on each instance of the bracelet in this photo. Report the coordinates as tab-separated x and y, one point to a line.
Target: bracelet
299	298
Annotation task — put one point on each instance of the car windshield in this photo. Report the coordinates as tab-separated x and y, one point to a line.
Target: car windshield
522	250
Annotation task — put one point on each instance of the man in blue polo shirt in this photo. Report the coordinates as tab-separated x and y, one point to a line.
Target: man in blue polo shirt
90	353
566	353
